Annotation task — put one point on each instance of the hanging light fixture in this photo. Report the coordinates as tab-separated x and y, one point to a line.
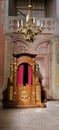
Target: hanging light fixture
32	27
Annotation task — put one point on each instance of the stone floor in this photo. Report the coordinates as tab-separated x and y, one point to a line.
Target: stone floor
31	118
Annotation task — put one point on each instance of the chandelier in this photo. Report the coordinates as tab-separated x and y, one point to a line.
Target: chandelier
31	28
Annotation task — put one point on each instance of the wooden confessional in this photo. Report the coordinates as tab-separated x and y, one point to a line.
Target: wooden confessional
23	87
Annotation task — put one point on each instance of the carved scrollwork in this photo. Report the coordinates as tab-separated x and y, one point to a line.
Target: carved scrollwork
24	94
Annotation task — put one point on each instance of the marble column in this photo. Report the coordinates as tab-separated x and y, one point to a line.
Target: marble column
57	8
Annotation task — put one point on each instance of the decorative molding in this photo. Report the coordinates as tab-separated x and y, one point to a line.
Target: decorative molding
49	24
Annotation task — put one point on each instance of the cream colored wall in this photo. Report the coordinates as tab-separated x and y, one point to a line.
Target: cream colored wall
54	69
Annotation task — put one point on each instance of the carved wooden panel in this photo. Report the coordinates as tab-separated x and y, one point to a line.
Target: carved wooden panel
26	60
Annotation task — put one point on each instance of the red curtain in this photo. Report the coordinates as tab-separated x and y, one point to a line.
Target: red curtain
29	75
20	75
